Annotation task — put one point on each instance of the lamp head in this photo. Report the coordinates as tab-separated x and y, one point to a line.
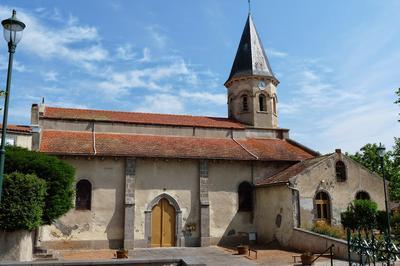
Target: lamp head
381	150
13	29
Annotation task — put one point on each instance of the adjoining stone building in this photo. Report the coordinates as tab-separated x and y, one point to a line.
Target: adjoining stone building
146	180
18	135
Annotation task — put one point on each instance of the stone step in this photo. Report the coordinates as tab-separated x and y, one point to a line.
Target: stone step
39	250
44	257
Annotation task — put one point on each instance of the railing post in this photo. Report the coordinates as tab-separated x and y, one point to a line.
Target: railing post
348	246
330	250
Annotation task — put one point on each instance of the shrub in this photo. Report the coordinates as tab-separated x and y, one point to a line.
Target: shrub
395	224
348	219
59	177
381	223
365	211
323	228
360	214
22	202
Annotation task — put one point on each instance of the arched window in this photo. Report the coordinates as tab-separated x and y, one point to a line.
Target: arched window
262	103
340	171
363	195
83	195
274	105
245	104
322	204
245	197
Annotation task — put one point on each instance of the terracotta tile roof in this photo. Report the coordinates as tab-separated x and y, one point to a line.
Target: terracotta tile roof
108	144
141	118
270	149
285	175
17	128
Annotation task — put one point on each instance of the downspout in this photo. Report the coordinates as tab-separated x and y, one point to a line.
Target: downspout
297	192
243	147
94	138
252	170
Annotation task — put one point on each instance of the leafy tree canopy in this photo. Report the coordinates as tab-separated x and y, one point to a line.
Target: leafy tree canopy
368	156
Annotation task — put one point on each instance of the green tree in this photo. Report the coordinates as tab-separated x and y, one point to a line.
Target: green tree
22	203
59	177
368	156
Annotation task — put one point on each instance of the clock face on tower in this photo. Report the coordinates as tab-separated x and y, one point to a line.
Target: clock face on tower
261	85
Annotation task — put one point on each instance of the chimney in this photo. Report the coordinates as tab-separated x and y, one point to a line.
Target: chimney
35	126
35	114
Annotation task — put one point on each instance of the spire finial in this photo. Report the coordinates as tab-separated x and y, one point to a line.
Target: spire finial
249	6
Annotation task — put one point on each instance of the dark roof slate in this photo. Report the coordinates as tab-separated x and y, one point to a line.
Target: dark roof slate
250	57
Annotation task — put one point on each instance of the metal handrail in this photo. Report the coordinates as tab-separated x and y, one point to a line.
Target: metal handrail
330	251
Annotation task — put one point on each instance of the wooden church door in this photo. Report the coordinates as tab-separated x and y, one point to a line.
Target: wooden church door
163	225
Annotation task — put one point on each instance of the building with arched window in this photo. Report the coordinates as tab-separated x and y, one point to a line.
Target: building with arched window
163	180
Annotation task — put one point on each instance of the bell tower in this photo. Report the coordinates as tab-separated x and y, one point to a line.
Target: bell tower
251	84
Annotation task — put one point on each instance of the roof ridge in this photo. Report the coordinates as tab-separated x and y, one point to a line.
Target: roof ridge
128	112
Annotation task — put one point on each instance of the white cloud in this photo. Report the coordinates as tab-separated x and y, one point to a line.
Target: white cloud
275	53
146	55
62	43
125	52
204	97
17	65
151	78
157	34
50	75
371	123
161	103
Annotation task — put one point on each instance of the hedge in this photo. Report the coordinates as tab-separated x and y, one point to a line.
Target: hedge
22	202
59	177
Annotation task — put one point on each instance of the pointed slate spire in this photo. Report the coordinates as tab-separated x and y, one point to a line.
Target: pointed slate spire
250	57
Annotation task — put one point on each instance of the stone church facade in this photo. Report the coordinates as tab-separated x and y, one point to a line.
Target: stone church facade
159	180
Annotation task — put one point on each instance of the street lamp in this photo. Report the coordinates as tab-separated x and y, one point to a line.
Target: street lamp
12	33
381	152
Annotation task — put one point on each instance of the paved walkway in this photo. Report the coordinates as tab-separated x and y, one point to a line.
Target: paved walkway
193	256
221	256
270	255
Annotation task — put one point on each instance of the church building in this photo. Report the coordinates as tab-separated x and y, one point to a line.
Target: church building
161	180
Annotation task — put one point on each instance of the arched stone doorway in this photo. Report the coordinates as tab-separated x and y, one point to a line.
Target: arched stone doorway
163	222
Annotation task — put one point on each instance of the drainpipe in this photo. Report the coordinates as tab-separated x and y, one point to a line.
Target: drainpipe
94	138
243	147
297	192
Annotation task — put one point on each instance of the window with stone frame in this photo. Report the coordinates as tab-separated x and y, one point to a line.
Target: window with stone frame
245	193
83	198
362	195
262	102
340	168
274	105
245	104
322	205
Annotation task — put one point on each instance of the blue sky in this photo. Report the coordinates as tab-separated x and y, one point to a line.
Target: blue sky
337	61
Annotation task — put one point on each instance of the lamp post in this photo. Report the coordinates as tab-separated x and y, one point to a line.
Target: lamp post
12	33
381	152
